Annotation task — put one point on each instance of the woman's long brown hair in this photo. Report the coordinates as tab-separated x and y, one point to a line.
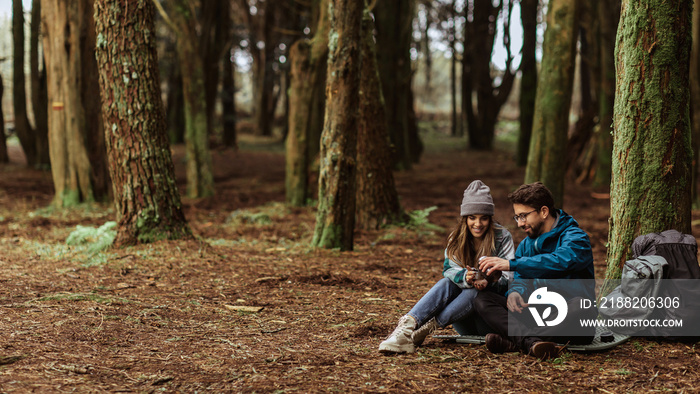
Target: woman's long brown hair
460	244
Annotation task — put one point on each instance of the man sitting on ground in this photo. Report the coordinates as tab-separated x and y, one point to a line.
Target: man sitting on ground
555	248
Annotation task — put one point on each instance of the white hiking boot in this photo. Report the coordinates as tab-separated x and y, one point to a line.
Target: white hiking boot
423	331
400	340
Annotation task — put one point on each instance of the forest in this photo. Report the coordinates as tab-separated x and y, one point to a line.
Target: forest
246	195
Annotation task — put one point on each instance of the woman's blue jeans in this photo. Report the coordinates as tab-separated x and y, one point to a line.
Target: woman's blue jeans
446	302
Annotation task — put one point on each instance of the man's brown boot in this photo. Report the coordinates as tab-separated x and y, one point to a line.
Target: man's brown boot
544	350
497	344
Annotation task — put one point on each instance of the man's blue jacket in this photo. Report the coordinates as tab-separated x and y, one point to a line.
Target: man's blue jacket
562	253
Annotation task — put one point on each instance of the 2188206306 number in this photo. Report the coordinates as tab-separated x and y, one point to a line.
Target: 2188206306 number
641	302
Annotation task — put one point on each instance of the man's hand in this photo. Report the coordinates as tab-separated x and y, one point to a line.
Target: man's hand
487	264
515	302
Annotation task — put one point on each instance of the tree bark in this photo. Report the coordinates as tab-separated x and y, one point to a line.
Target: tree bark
214	41
175	101
695	101
394	24
4	157
200	180
652	155
377	202
608	17
308	60
25	132
228	102
39	97
71	169
528	78
335	219
547	158
265	81
146	196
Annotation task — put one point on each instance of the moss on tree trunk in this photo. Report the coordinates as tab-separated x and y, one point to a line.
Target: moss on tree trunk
547	158
335	219
146	196
652	155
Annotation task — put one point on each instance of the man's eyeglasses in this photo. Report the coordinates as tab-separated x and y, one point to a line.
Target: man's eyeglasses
523	216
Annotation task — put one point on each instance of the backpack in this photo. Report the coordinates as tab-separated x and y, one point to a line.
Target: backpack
657	256
679	250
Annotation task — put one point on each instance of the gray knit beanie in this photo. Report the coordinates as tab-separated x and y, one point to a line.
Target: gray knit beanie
477	200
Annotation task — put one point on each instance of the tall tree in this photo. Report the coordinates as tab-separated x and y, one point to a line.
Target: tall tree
478	78
200	178
376	196
335	219
228	102
608	17
4	157
24	130
652	155
695	100
547	158
66	43
146	196
528	77
309	60
40	105
215	40
394	24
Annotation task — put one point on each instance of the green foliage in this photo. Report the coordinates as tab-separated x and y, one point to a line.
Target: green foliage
91	239
418	221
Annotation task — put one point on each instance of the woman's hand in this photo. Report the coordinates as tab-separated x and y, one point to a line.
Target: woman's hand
469	277
481	284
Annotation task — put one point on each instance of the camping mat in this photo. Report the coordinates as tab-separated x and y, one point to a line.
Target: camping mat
594	346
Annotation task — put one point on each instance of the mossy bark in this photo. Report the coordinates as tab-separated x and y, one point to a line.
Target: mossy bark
695	101
146	196
547	157
652	155
63	23
200	179
335	219
377	199
308	61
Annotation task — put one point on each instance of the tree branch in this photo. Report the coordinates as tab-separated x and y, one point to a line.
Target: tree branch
165	16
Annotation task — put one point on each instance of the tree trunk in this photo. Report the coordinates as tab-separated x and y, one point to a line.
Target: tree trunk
608	17
92	110
40	105
63	22
377	202
528	78
4	157
308	60
695	101
547	158
26	134
146	196
335	219
228	102
394	24
652	155
265	81
215	39
477	78
200	180
175	109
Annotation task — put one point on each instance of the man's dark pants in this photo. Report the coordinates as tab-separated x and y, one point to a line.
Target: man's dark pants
492	307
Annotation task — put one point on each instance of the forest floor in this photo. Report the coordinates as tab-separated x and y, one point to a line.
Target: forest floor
249	307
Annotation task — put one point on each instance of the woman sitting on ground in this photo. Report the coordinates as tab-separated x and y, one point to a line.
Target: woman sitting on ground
450	300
